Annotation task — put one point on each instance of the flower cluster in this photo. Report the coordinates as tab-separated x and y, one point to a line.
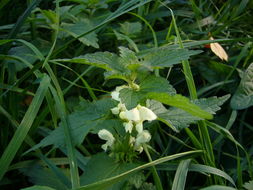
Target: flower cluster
133	121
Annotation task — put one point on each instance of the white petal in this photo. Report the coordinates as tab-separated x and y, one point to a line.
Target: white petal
122	107
139	149
115	95
146	114
122	115
106	135
128	126
142	137
133	115
139	127
115	110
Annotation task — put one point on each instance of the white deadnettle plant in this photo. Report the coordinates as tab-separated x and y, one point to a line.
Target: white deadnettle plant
133	118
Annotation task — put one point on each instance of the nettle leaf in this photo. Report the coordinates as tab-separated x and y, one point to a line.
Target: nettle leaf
131	98
101	166
248	185
179	119
130	28
79	28
181	102
212	104
88	117
162	57
129	59
43	176
243	97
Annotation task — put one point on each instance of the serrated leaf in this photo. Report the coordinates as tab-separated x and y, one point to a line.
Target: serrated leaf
175	118
248	185
131	98
79	28
179	119
212	104
243	97
162	57
181	102
130	28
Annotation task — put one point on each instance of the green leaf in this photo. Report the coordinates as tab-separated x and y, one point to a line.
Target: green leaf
181	174
101	167
162	57
211	104
108	182
248	185
131	98
38	187
87	117
243	97
181	102
24	127
79	28
218	187
130	28
44	176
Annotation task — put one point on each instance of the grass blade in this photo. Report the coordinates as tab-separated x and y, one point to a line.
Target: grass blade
181	174
24	126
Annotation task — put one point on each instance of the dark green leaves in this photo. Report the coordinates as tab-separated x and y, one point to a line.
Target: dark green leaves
162	57
89	116
243	97
178	119
79	28
131	98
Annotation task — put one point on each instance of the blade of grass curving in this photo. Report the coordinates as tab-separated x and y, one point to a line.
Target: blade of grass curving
24	126
218	187
206	170
155	174
181	174
70	147
106	183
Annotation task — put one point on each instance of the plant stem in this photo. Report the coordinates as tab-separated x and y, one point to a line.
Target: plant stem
154	172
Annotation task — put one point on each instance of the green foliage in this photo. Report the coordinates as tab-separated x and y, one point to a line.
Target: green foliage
125	95
243	97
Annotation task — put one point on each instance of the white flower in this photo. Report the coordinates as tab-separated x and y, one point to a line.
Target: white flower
139	127
115	110
128	126
146	114
108	137
130	115
115	93
142	138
